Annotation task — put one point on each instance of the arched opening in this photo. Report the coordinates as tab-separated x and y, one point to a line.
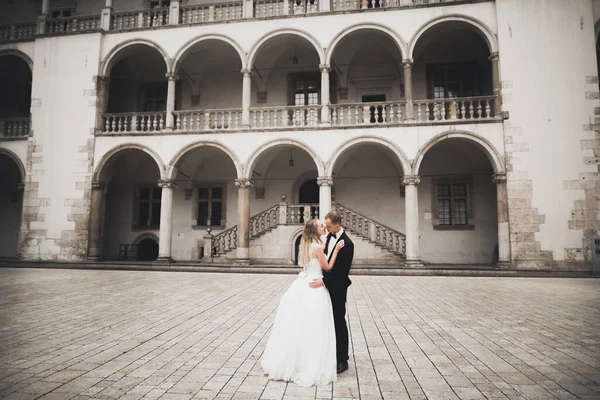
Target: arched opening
15	96
205	196
458	200
11	206
366	67
451	61
137	92
209	86
281	170
286	73
147	250
297	248
309	192
132	202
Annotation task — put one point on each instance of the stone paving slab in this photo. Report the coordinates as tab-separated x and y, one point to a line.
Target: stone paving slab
83	334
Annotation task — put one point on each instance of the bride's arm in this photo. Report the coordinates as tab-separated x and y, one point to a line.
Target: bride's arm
320	253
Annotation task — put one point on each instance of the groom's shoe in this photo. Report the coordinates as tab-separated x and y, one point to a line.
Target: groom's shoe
341	367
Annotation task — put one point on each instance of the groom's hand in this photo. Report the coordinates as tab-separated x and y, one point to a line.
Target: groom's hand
316	283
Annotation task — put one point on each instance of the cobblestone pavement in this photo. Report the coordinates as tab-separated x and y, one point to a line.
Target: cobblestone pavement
128	335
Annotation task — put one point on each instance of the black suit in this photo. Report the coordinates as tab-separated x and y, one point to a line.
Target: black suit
336	280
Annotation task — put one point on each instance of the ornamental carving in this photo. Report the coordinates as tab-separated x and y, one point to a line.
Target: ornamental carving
499	178
243	183
167	184
411	180
325	181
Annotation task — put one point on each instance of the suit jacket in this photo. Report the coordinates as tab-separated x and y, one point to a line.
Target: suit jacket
337	277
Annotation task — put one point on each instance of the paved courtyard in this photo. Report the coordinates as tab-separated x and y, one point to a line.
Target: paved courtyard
161	335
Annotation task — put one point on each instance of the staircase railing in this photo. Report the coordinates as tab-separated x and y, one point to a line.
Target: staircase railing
374	231
260	223
264	221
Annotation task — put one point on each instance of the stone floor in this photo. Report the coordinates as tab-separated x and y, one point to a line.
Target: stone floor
131	334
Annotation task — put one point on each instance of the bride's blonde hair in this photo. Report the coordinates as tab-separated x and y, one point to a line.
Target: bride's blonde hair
309	236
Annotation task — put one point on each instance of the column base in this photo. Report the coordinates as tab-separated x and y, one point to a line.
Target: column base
164	260
244	262
414	263
503	264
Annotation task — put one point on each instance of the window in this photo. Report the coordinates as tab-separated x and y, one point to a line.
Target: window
211	210
306	91
159	3
154	97
448	81
453	206
62	12
147	206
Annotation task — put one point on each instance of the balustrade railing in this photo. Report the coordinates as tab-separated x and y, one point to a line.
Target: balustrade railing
304	6
269	8
134	122
73	24
208	120
280	117
264	221
375	232
300	213
367	113
196	14
22	31
14	127
369	4
225	241
443	110
140	19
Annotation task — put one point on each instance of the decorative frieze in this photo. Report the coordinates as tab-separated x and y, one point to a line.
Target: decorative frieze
244	183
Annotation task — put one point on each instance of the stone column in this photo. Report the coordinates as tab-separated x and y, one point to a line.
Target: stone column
325	120
408	94
243	232
170	120
106	15
102	85
246	97
503	226
166	220
496	83
325	184
41	23
95	227
411	210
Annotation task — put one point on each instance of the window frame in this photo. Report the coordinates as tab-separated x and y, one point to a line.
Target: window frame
306	77
136	206
435	201
196	201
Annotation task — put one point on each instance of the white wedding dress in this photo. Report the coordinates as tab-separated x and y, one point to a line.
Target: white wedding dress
301	348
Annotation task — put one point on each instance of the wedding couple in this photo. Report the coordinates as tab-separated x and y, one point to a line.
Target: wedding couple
309	340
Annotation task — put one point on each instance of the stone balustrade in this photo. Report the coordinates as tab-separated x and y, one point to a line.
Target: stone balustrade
18	32
300	213
443	110
148	18
207	120
367	113
287	116
197	14
73	24
269	8
14	128
134	122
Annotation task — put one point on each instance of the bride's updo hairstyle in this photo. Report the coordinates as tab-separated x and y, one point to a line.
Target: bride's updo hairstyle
309	236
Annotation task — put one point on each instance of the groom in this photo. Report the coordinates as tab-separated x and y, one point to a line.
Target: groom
337	282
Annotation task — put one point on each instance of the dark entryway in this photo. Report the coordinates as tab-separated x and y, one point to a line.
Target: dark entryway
297	249
147	250
309	192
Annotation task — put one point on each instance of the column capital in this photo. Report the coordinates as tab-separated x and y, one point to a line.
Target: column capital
325	181
407	62
171	76
244	183
167	184
499	178
324	68
494	56
411	180
246	72
98	185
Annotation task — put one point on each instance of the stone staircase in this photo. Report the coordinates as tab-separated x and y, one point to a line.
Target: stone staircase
375	243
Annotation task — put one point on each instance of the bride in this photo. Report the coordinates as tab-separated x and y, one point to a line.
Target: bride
301	348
